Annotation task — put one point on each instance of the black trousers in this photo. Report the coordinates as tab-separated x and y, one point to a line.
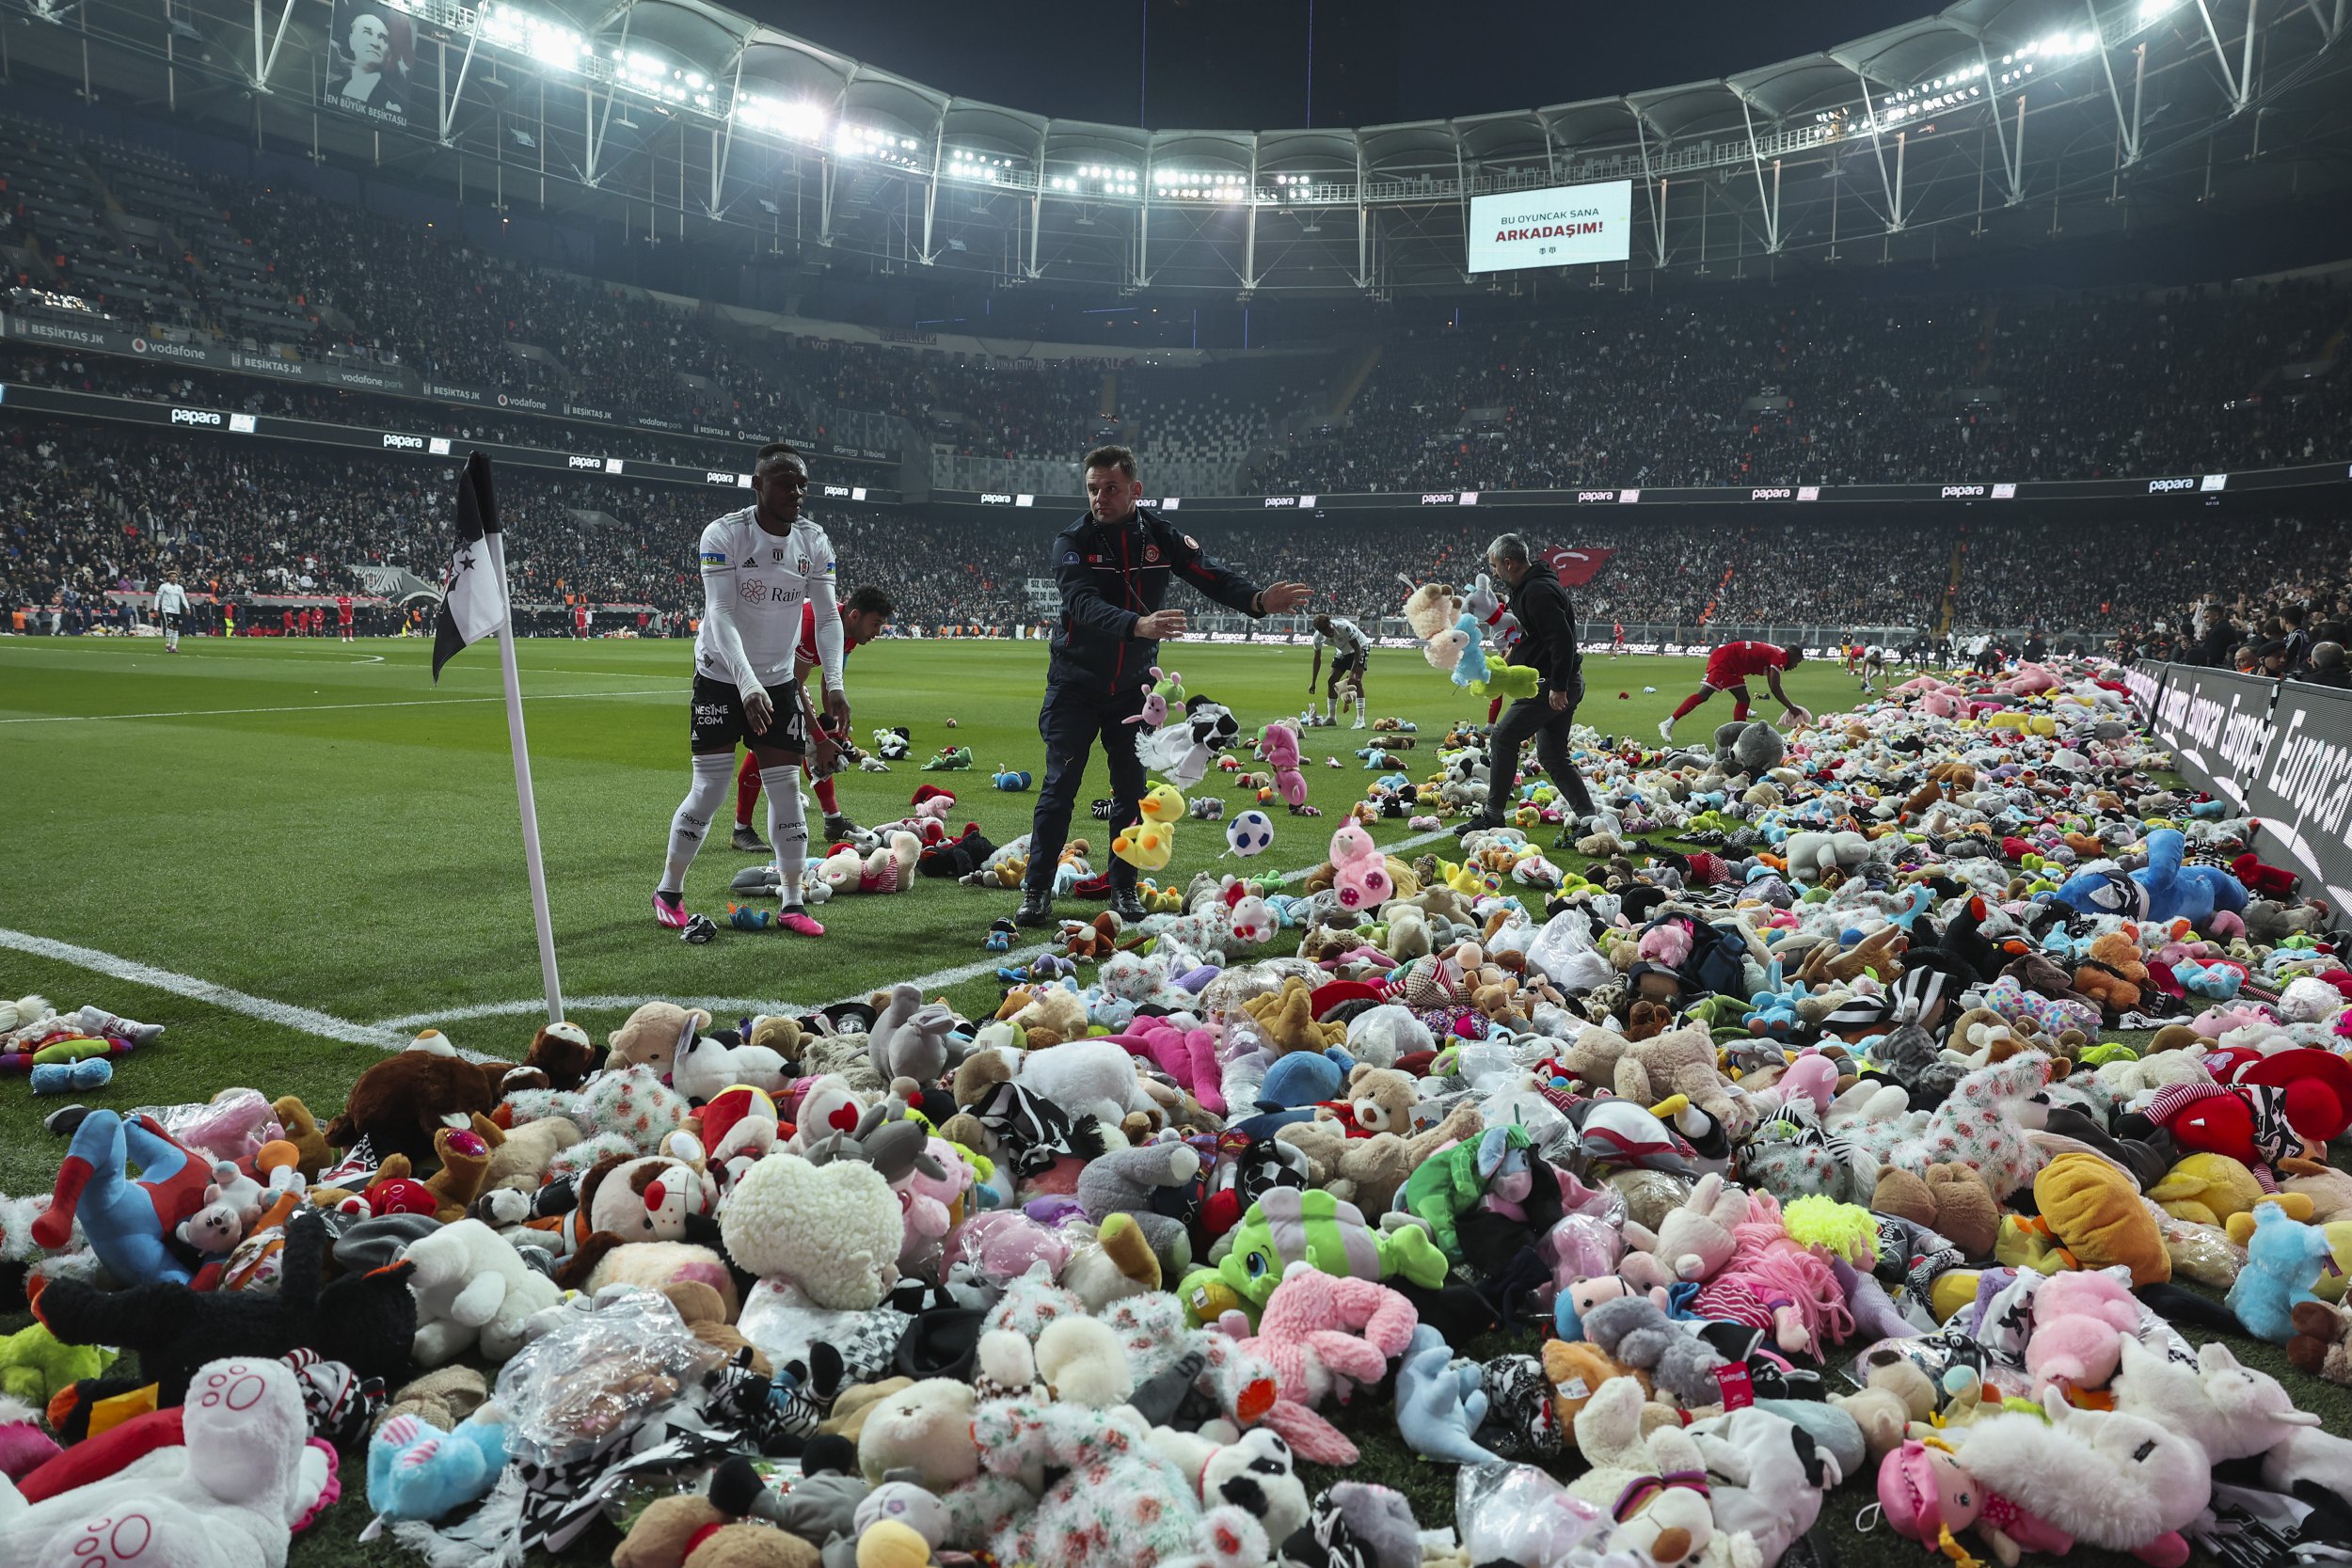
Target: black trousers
1534	716
1070	723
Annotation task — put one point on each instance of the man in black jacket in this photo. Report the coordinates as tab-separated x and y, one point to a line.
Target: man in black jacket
1548	644
1114	565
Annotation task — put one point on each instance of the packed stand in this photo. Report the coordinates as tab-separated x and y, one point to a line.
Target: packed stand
1750	388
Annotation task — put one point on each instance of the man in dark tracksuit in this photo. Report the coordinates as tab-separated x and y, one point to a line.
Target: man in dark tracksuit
1548	644
1114	565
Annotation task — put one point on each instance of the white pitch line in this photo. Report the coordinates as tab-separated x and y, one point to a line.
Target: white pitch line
320	707
307	1021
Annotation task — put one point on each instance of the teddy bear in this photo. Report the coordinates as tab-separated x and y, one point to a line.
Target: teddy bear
1896	1396
1949	1198
1369	1172
650	1037
688	1531
228	1487
398	1103
474	1292
1651	1480
520	1156
2114	977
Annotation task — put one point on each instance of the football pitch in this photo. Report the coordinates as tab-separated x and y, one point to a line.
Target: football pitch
297	854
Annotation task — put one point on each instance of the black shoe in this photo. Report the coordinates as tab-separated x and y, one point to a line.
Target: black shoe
1128	906
1037	908
747	839
1476	824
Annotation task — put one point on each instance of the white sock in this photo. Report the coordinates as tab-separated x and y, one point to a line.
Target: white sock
787	828
703	797
1359	707
171	640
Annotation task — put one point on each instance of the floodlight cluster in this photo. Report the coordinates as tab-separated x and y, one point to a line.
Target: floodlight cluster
988	168
1290	185
547	43
866	141
657	78
799	120
1104	179
1200	187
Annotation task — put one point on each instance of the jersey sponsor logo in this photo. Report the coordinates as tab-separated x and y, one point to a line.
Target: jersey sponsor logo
753	589
830	565
778	555
709	713
1070	557
1151	552
1191	544
714	558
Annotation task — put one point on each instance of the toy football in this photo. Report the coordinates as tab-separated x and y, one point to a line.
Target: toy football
1251	833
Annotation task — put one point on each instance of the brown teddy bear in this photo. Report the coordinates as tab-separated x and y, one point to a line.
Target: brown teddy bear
312	1152
465	1158
399	1103
688	1530
2114	976
1287	1018
563	1053
1950	1199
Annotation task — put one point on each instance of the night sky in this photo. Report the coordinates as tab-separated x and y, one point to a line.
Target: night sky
1244	64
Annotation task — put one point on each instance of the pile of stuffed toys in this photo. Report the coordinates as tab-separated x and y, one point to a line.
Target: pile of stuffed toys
1661	1204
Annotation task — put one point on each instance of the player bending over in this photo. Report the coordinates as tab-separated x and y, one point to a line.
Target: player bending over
762	568
1729	668
1350	648
863	616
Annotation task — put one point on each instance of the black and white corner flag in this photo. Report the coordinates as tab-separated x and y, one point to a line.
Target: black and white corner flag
473	600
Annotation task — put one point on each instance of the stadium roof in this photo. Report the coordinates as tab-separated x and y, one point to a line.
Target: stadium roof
1995	122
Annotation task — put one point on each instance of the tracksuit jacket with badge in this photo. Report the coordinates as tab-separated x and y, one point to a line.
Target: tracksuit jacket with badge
1111	575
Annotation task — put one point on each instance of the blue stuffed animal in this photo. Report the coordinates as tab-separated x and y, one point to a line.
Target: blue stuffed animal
1440	1404
416	1471
1015	782
2164	890
1305	1078
2283	1259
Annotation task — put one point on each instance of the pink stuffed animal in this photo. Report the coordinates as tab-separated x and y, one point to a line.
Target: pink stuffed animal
1188	1056
2079	1320
1279	748
1361	874
1667	943
1324	1336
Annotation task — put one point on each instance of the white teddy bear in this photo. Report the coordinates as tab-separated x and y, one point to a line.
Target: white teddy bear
474	1293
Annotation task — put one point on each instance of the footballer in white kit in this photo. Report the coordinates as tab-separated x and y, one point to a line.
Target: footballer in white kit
1350	651
759	566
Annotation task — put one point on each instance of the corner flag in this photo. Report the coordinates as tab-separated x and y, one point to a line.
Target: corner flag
473	600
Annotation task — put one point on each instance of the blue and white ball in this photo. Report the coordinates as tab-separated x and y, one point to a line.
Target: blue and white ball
1252	832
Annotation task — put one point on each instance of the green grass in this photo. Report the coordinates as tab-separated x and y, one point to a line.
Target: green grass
320	826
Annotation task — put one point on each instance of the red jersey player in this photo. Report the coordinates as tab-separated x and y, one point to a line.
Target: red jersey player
343	616
1729	668
864	614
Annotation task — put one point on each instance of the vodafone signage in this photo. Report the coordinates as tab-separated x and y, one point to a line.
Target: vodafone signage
1563	226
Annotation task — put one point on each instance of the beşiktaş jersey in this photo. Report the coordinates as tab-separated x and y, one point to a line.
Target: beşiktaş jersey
1346	637
172	599
754	585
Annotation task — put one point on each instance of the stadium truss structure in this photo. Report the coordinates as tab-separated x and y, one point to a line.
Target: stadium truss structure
2000	122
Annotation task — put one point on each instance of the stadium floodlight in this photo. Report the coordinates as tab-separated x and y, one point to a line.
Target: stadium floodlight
2155	10
800	120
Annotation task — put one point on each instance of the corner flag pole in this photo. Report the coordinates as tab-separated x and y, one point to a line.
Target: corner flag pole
496	542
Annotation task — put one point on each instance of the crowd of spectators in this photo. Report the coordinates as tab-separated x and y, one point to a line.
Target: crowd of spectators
88	509
1755	388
